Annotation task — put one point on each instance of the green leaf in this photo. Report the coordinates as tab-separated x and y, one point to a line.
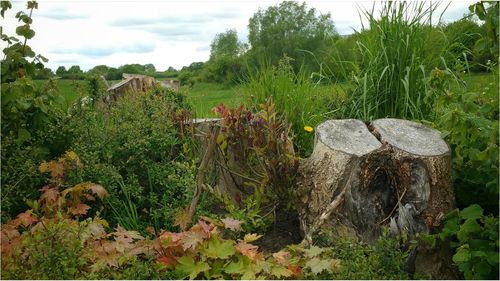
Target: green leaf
472	212
218	248
462	255
25	31
313	251
482	270
492	258
23	135
319	265
280	271
237	267
469	226
189	267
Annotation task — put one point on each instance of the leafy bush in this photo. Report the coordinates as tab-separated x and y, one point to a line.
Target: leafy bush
468	120
475	239
139	148
31	117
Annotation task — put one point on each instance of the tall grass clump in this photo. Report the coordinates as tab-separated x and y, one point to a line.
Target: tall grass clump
397	51
293	93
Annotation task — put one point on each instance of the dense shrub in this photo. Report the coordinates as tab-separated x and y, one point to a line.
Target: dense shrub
138	148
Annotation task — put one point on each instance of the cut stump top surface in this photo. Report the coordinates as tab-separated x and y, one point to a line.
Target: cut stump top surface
348	135
411	137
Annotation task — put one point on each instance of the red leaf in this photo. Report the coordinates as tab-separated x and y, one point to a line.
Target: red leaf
49	194
282	257
27	218
249	250
296	270
80	209
232	224
168	261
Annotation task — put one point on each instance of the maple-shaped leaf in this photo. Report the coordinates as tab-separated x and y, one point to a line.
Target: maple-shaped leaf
171	239
55	168
191	240
295	269
237	267
182	218
219	249
319	265
232	224
282	257
280	271
27	218
249	238
251	251
96	229
190	268
97	190
80	209
168	261
49	194
314	251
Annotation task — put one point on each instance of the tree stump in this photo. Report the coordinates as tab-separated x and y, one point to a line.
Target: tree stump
359	178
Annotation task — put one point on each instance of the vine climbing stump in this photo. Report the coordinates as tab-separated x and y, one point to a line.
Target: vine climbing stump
360	177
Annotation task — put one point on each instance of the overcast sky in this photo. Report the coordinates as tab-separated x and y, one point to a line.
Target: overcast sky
165	33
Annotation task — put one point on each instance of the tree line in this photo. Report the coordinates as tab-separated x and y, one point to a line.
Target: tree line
310	40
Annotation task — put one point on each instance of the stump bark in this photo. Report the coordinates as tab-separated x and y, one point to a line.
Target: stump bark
361	177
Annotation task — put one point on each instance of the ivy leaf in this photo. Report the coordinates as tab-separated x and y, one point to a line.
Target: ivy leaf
191	268
469	226
232	224
251	237
472	212
218	248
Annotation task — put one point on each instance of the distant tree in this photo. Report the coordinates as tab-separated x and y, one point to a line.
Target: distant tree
171	69
149	68
225	64
99	70
225	45
462	35
132	68
75	69
44	73
61	70
289	28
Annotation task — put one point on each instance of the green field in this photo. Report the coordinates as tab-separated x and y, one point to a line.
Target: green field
205	96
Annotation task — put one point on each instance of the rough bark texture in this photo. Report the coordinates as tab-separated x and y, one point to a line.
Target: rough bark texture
392	172
361	177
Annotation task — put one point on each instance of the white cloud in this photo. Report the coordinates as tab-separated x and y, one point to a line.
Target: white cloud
165	33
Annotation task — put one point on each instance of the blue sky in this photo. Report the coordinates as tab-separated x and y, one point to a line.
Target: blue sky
165	33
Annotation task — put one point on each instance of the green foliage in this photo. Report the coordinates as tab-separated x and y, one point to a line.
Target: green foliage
396	60
293	94
475	239
139	150
461	35
351	259
290	29
486	48
468	120
31	117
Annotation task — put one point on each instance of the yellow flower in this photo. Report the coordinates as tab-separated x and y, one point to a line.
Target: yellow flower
308	129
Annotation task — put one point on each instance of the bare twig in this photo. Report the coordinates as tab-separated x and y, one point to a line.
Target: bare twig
202	170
